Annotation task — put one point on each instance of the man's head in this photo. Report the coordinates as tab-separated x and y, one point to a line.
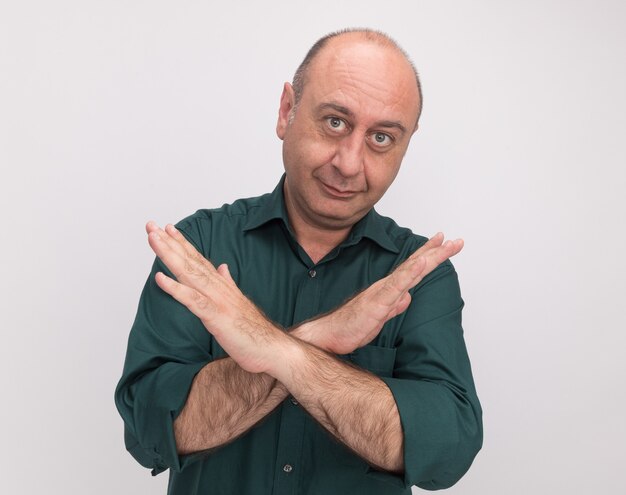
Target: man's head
346	123
299	78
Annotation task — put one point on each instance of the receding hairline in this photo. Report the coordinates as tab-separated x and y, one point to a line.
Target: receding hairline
371	35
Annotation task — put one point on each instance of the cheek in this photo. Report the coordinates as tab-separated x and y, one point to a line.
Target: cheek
308	151
380	174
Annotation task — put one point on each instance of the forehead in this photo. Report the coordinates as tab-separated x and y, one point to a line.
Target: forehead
374	82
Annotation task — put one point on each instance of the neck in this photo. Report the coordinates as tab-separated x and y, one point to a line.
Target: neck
316	239
317	242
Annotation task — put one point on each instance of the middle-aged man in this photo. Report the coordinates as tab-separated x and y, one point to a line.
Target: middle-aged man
324	354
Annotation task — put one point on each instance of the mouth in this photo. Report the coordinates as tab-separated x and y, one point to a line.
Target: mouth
338	193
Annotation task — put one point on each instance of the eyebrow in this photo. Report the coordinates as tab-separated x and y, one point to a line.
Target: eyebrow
349	113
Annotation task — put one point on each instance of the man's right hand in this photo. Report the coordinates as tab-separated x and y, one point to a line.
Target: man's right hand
359	320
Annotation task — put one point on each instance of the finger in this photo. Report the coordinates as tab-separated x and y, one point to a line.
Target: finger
434	242
459	244
191	260
186	269
199	304
188	249
412	273
151	226
399	281
432	254
162	249
437	256
400	307
225	272
171	236
179	243
447	250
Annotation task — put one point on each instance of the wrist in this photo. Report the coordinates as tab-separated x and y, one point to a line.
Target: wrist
290	355
309	332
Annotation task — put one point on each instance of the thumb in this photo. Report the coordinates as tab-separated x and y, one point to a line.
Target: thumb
400	307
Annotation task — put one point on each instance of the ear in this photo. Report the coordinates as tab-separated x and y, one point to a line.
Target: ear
287	103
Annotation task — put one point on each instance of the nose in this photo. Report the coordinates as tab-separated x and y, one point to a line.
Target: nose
349	156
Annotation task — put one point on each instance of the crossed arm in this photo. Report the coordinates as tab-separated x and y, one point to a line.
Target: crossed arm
266	364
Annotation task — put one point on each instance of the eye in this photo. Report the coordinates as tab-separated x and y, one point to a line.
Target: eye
381	139
335	123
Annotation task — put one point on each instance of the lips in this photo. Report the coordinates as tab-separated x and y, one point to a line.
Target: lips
338	193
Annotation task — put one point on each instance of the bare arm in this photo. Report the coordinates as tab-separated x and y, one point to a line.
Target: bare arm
229	396
224	400
223	403
356	407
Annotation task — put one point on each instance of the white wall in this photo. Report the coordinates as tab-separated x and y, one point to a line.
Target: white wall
116	112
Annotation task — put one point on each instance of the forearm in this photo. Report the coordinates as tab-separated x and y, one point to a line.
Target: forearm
355	406
225	401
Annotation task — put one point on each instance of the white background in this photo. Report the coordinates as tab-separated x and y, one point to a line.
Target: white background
116	112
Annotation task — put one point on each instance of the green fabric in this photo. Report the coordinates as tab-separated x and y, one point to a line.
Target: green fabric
420	355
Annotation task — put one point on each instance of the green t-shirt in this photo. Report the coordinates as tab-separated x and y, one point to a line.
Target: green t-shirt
420	355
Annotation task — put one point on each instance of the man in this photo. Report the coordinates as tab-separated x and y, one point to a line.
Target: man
257	376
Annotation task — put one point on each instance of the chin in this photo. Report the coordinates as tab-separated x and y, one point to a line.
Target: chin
337	218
